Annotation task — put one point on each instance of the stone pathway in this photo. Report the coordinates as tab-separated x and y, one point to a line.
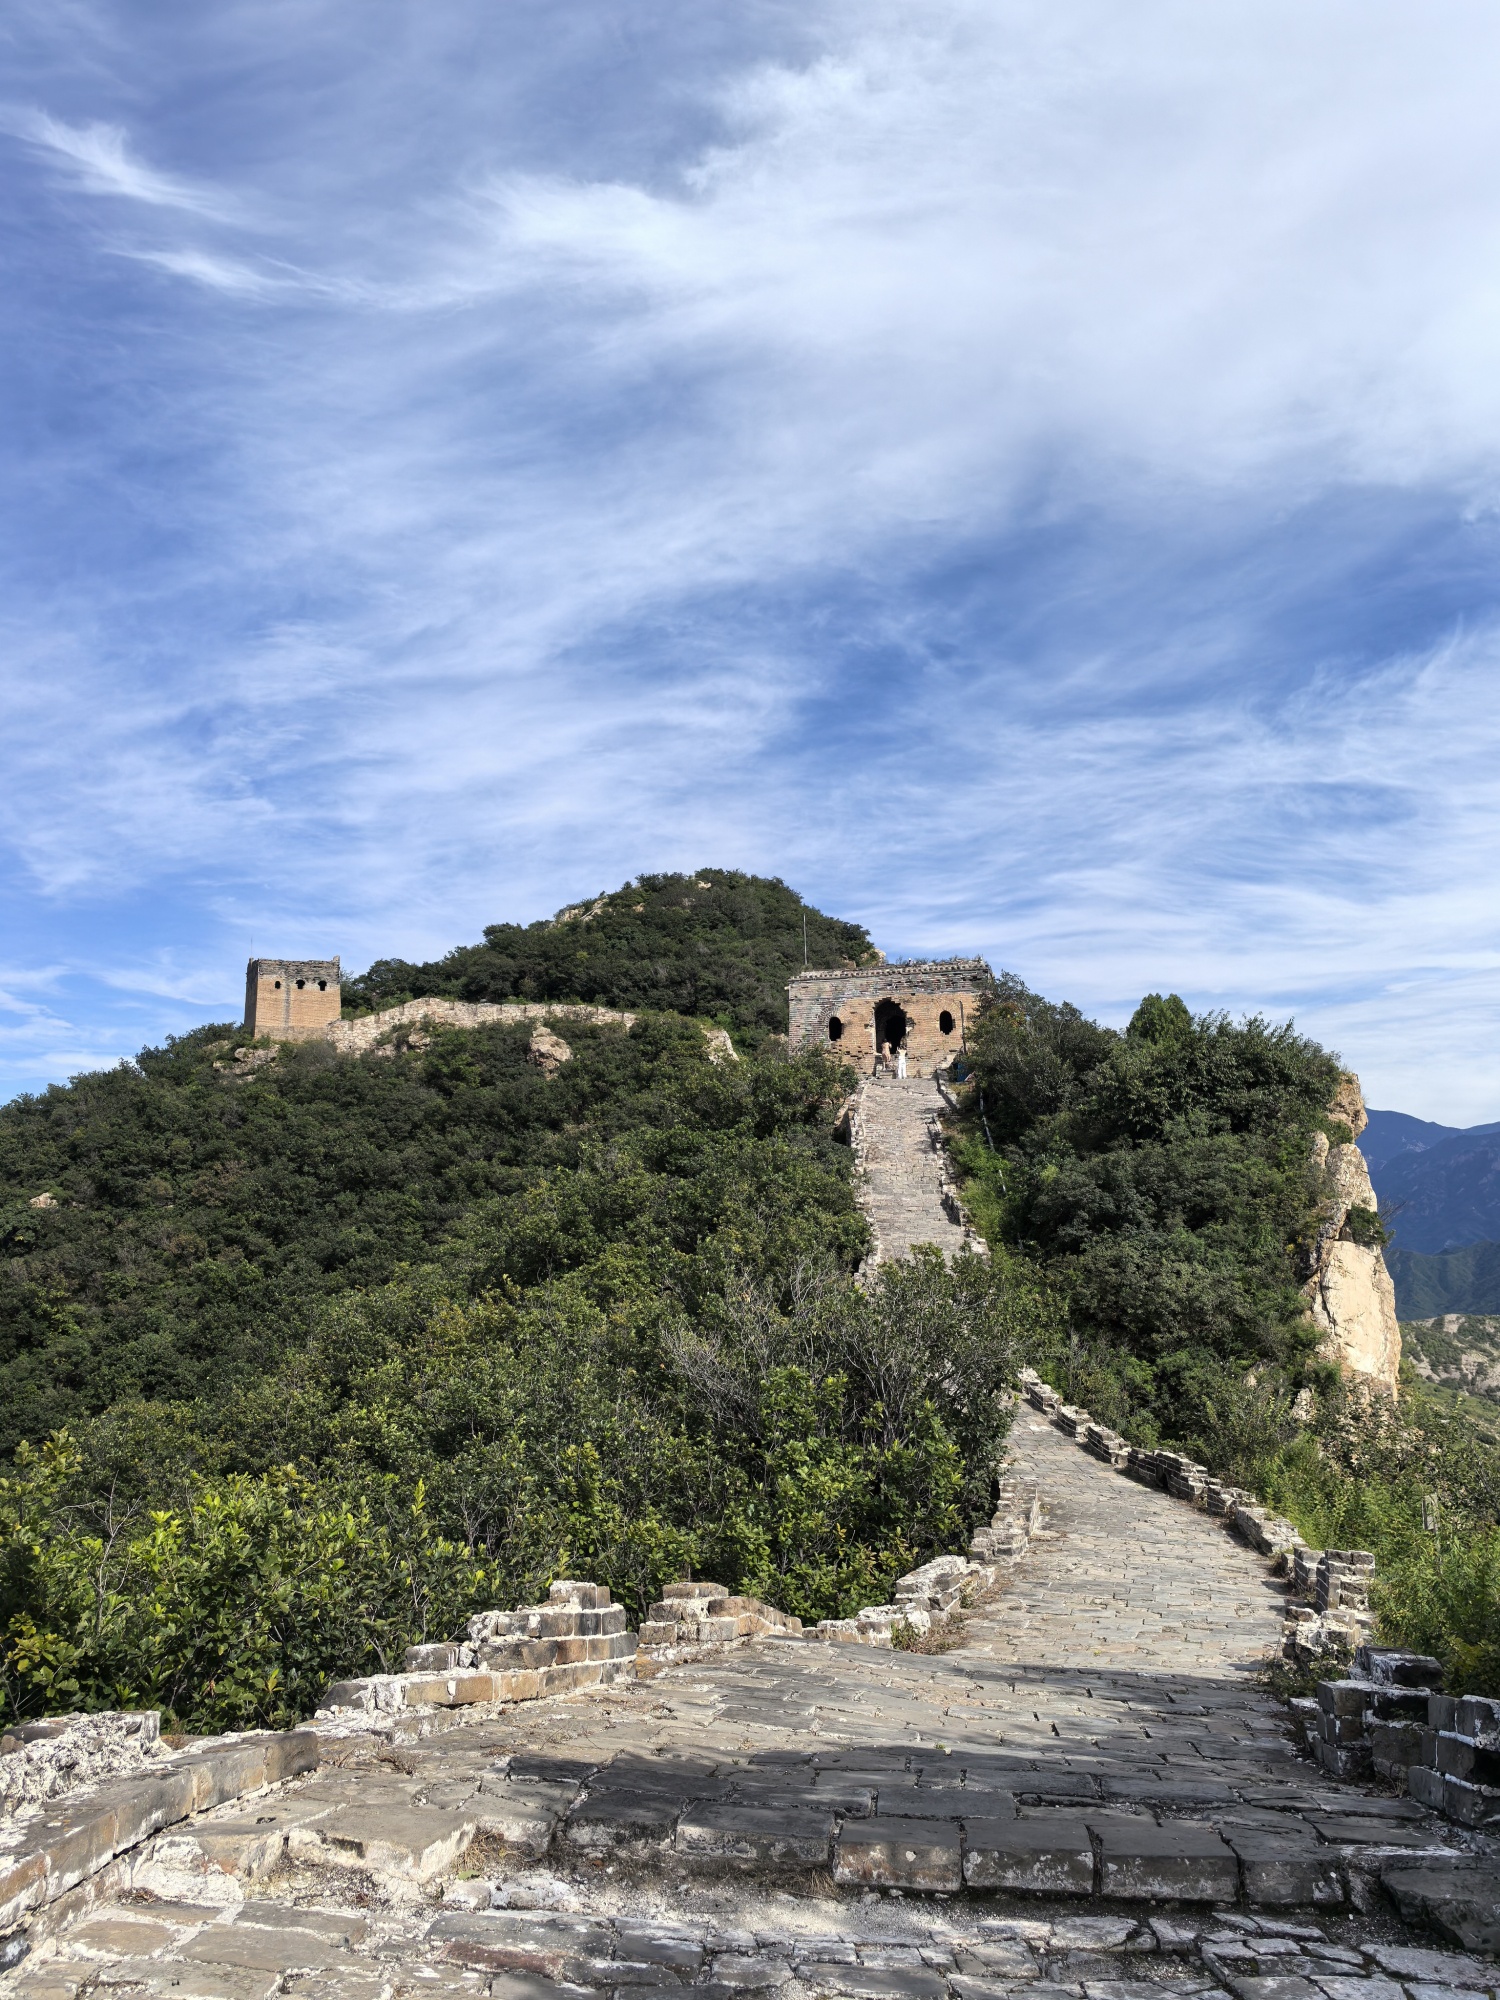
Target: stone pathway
1121	1572
898	1141
1091	1798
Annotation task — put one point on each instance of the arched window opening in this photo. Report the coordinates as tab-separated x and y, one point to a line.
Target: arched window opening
300	984
322	985
278	986
835	1029
945	1022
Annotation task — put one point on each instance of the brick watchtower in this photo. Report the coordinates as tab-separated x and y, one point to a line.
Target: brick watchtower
925	1008
291	999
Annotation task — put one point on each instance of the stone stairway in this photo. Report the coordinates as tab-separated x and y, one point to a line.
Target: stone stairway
903	1181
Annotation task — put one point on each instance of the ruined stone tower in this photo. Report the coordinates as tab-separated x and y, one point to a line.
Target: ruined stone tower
926	1007
291	999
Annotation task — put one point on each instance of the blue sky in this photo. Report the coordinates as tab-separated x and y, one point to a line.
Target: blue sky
1024	473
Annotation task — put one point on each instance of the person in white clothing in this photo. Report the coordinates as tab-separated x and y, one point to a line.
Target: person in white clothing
901	1062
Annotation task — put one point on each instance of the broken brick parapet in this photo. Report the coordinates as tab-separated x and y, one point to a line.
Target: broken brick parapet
578	1639
1389	1718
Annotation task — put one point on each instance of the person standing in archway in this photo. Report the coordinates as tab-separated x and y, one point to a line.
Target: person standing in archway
901	1061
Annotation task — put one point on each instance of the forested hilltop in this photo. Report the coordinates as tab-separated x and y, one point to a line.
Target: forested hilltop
300	1363
716	944
303	1362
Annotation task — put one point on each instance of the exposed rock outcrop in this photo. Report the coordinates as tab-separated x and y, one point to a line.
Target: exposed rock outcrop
1349	1292
548	1051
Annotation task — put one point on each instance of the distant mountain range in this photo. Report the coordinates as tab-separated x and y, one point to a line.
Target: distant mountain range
1439	1192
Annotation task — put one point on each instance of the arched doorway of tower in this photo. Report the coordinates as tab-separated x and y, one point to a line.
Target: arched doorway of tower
890	1025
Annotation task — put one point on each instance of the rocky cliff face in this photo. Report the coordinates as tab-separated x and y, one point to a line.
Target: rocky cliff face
1349	1292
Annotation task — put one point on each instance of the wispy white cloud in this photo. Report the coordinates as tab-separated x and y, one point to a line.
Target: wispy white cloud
98	159
1025	474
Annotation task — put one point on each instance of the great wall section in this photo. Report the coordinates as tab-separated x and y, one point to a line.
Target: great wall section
1080	1790
1089	1795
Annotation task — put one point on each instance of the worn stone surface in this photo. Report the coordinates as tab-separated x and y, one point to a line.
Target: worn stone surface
903	1178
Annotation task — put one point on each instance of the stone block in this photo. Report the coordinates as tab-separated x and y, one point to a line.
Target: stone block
1389	1667
1273	1986
1346	1698
1141	1861
457	1690
411	1842
338	1926
1394	1746
1044	1853
145	1805
1455	1755
120	1936
1459	1895
1281	1870
782	1836
519	1942
1442	1711
23	1885
1355	1986
247	1847
717	1631
871	1982
658	1632
745	1972
227	1772
526	1825
622	1820
260	1950
76	1842
1443	1968
1399	1704
900	1854
850	1801
1349	1761
363	1694
1468	1803
337	1983
587	1596
520	1684
1425	1786
1340	1728
1165	1790
183	1979
1479	1719
432	1659
290	1753
642	1940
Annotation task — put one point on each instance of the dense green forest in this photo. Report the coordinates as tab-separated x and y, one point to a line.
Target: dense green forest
305	1362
